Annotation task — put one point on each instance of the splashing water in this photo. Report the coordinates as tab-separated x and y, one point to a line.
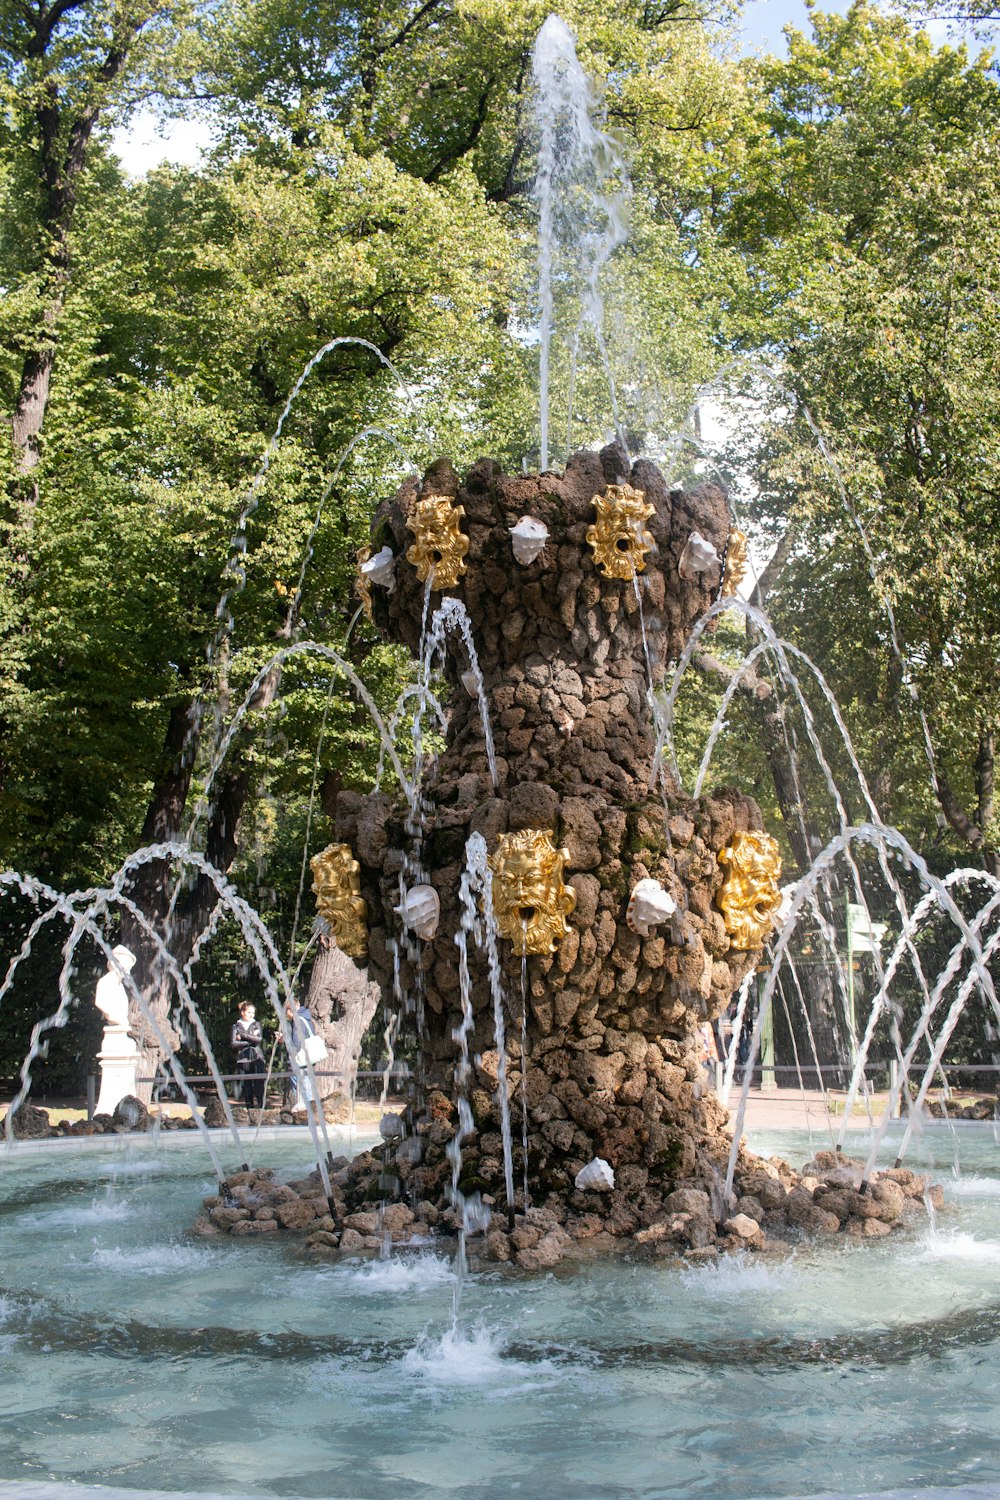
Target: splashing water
475	1357
889	840
580	193
477	864
524	1061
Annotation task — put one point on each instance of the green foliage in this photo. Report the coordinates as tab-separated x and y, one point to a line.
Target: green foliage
870	217
835	214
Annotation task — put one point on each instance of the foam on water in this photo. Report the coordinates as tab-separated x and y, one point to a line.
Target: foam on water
735	1277
974	1187
411	1273
149	1260
958	1244
475	1357
102	1211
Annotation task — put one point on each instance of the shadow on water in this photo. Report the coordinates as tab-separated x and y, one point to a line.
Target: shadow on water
41	1325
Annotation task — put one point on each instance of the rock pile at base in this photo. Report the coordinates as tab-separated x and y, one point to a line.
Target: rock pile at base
773	1207
33	1124
336	1111
131	1115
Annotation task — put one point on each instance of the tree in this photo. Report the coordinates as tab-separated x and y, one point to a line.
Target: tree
342	1001
978	13
370	190
67	65
873	238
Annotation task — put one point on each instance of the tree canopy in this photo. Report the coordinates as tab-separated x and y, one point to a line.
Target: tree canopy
832	217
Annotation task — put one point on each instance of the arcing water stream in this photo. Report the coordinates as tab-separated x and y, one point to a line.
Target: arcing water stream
577	1353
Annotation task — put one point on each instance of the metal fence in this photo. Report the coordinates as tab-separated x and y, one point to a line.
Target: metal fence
371	1084
368	1086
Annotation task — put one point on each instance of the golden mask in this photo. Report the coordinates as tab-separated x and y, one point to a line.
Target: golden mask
362	583
530	902
619	537
736	563
440	544
337	885
749	897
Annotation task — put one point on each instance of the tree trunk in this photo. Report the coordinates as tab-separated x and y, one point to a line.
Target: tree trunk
64	124
29	412
179	915
342	1000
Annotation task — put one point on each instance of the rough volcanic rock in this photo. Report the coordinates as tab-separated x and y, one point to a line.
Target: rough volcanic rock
29	1123
568	656
131	1113
603	1050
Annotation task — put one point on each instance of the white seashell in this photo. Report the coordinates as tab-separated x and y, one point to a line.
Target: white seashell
420	910
648	904
381	569
698	556
528	538
471	683
596	1176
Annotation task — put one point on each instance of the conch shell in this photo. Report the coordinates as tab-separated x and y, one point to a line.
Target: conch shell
528	538
381	569
698	557
597	1176
648	904
420	910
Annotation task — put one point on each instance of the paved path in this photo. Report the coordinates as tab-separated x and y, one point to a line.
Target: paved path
779	1109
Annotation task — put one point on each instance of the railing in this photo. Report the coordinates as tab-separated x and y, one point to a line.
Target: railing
369	1083
364	1087
887	1074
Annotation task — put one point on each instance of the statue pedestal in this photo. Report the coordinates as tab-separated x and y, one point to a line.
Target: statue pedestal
119	1060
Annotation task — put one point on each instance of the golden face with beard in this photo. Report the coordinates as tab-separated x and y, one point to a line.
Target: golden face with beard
618	538
337	886
530	901
440	544
749	897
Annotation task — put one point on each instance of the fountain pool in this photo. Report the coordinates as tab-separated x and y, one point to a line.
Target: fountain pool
136	1358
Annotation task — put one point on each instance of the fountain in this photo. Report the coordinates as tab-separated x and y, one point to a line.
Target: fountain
552	919
570	647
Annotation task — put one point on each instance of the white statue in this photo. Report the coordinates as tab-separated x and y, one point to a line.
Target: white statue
119	1055
110	997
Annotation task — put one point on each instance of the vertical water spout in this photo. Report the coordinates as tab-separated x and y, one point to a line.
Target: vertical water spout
579	191
524	1062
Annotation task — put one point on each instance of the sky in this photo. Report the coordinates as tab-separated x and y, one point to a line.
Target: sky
764	20
147	141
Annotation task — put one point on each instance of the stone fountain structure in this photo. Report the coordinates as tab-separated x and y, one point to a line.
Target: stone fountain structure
617	981
624	913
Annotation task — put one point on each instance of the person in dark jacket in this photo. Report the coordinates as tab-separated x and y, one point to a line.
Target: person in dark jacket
247	1040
